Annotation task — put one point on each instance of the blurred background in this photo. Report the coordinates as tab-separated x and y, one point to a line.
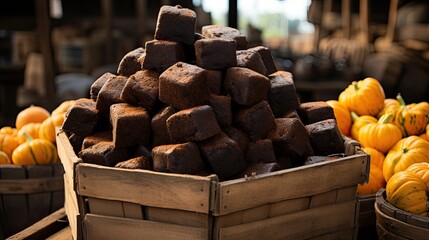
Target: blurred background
53	50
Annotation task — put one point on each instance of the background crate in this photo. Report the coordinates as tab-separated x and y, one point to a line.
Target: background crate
28	194
367	225
315	201
394	223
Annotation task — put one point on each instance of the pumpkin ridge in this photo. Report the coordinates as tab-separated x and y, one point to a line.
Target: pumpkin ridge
32	153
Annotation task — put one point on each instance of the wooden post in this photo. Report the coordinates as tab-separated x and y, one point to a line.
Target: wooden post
391	24
233	13
106	6
363	18
345	17
44	31
141	11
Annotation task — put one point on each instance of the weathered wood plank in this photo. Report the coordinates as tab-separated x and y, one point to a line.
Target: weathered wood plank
300	225
346	194
176	191
180	217
43	228
67	156
132	210
58	196
72	210
106	228
39	204
323	199
105	207
14	213
236	195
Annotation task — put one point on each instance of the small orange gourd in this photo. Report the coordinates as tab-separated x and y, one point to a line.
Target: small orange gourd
35	152
4	158
47	128
377	158
365	97
8	143
407	191
422	170
406	152
31	129
63	107
375	182
32	114
359	122
388	103
381	135
342	115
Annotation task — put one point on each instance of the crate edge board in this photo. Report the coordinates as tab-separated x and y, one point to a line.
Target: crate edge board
263	228
133	228
184	192
68	158
398	227
233	195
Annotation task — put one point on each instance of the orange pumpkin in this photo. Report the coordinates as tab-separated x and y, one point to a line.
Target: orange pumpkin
47	128
377	158
9	130
365	97
342	115
32	114
8	143
388	103
35	152
406	152
4	158
375	183
31	129
359	122
424	136
63	107
381	135
412	118
422	170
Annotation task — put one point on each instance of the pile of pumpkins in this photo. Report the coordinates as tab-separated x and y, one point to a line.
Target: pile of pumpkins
395	135
32	140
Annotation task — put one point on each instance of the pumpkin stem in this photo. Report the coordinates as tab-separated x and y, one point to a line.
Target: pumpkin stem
356	86
27	136
405	150
385	118
400	100
354	116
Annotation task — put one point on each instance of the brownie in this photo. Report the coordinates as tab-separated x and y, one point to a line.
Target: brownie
184	158
176	24
159	126
318	159
240	137
311	112
189	50
193	124
81	118
104	136
267	58
286	162
131	125
282	95
325	137
215	53
214	80
98	84
141	162
141	150
257	121
104	153
110	94
162	54
260	151
291	138
245	86
183	86
217	31
251	60
223	155
76	142
290	114
141	89
222	108
130	63
260	168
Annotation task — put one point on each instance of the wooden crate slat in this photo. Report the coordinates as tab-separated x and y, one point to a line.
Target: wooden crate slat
72	210
300	225
289	206
176	191
348	234
346	194
180	217
105	207
236	195
15	210
58	196
31	186
67	156
39	204
323	199
103	227
132	210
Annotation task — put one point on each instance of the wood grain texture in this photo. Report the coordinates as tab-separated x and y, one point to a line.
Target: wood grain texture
305	224
175	191
102	227
236	195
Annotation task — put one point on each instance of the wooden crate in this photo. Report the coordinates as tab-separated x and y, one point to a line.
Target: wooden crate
316	201
367	225
28	194
394	223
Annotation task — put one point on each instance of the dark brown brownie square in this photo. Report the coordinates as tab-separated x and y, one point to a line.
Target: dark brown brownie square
141	89
215	53
162	54
104	153
81	118
325	137
217	31
184	158
110	94
252	60
267	58
98	84
159	126
282	95
130	63
222	108
311	112
257	121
